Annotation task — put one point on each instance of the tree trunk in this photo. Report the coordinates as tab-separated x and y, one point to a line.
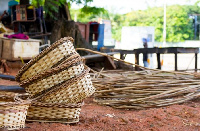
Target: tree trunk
64	26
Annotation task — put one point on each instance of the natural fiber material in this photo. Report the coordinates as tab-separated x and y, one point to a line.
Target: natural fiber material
45	112
57	81
47	58
71	92
144	89
53	77
13	111
73	60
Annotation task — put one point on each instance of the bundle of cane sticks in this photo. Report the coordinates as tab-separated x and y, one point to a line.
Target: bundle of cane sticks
143	89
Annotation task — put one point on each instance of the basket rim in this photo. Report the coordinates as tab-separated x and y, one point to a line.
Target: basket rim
41	55
38	119
16	98
59	105
73	61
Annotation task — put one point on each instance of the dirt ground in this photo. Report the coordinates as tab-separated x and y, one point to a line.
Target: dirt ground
94	117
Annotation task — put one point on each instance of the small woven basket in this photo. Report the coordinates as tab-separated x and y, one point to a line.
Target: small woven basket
13	110
48	58
46	112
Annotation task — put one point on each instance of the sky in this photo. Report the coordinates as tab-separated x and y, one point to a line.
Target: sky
125	6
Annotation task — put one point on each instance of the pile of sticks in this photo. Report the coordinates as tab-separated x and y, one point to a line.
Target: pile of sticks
144	89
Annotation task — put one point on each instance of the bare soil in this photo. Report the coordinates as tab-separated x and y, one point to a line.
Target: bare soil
94	117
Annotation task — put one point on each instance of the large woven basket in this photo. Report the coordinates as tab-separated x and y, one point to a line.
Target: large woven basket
62	113
74	90
48	58
53	77
13	111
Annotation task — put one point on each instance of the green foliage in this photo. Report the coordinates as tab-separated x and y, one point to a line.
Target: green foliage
92	10
52	6
179	26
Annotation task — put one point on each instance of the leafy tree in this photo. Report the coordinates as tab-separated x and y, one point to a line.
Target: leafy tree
179	25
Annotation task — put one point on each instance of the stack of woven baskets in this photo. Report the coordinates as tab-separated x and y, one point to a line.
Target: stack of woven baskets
58	82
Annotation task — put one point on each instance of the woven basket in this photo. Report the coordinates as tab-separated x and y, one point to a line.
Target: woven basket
51	56
62	113
53	77
73	90
13	111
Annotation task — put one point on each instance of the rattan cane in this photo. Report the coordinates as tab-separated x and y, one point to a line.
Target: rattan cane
53	77
73	90
62	113
13	111
70	92
53	55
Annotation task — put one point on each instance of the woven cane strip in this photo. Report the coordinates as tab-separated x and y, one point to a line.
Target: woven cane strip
53	80
10	111
43	53
59	105
50	56
67	59
53	120
72	61
61	85
10	99
53	113
74	93
49	60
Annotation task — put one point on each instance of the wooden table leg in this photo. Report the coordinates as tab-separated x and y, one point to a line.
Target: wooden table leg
196	61
137	61
158	60
122	56
176	62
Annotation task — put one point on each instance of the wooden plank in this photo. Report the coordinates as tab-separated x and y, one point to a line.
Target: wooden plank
7	50
196	61
176	62
122	56
158	60
137	61
15	50
109	63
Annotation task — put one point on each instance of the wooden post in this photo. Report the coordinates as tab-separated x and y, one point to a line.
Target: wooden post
176	62
196	61
158	60
109	63
137	61
122	56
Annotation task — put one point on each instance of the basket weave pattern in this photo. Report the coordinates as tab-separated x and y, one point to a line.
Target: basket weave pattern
59	53
47	58
74	93
13	111
53	80
54	113
58	81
